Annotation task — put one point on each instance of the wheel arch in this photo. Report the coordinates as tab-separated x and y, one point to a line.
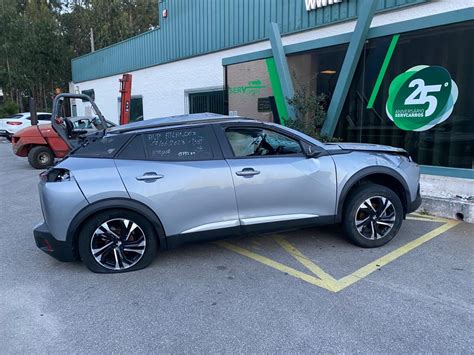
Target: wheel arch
75	226
384	176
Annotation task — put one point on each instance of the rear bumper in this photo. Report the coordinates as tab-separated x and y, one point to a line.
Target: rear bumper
60	250
413	205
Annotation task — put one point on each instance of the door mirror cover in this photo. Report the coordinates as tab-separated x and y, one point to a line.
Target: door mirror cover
311	151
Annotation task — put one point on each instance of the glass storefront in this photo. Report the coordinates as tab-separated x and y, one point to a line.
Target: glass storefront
422	102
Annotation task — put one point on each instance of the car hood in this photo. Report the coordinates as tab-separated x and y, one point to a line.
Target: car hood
366	147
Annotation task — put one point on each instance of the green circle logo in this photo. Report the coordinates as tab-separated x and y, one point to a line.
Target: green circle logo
421	98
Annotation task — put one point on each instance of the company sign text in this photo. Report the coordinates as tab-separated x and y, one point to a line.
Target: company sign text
316	4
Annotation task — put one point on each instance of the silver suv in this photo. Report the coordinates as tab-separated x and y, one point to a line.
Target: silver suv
122	194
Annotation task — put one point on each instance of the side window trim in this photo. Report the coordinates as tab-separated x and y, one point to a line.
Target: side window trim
229	152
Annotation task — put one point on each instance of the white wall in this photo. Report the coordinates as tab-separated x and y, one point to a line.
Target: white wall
163	87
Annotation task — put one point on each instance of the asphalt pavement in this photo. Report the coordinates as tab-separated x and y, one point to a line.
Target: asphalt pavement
303	291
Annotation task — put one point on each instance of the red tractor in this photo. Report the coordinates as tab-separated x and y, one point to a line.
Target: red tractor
41	144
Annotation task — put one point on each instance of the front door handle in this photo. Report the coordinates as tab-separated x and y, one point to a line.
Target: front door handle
247	172
149	177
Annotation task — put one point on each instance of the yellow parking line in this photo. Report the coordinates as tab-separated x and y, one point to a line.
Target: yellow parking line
386	259
311	266
325	280
274	264
425	217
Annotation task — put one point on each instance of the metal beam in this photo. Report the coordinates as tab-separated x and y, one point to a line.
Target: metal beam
282	67
366	13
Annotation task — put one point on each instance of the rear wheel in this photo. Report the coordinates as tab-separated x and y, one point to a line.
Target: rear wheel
373	215
40	157
117	241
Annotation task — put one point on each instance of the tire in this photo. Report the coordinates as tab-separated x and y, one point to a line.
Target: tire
40	157
372	216
103	229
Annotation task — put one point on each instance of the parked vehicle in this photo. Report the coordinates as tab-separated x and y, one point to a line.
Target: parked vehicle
14	123
159	183
41	144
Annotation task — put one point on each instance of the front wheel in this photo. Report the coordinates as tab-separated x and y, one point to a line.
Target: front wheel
117	241
373	215
40	157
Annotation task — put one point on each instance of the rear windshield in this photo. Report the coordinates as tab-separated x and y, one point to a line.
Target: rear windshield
105	147
15	116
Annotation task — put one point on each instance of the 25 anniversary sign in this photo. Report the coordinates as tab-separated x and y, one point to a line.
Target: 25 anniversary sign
421	98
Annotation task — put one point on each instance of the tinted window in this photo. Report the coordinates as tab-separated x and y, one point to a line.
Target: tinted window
191	143
44	117
15	116
134	149
247	142
105	147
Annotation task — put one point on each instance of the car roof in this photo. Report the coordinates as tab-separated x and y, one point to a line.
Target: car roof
180	120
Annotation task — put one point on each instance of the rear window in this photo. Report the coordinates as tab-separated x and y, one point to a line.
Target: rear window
105	147
15	116
190	143
182	144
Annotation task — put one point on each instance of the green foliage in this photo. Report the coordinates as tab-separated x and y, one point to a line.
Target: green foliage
8	108
310	113
40	37
110	20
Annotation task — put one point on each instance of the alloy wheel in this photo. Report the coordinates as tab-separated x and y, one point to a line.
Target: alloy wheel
375	217
118	244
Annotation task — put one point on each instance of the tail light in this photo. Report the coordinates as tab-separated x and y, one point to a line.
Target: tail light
55	175
14	123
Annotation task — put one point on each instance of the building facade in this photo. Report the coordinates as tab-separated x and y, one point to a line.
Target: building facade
409	81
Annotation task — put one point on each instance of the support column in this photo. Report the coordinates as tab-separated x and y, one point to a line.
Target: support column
366	14
282	67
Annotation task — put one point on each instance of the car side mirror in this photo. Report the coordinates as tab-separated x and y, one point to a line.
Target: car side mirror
311	151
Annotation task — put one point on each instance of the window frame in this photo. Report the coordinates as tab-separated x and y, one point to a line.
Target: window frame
228	151
214	145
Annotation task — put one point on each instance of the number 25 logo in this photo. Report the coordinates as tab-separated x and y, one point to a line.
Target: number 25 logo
420	96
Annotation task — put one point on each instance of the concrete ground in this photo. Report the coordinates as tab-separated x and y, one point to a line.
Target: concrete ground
304	291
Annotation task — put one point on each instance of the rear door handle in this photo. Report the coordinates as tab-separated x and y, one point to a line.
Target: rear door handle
247	172
149	177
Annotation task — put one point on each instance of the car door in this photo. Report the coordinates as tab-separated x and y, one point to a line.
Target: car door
181	175
275	182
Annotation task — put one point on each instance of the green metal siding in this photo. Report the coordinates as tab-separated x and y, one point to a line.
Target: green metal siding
201	26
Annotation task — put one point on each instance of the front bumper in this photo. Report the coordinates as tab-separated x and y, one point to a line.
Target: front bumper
60	250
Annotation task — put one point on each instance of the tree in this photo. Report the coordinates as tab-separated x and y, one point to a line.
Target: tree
40	37
110	21
33	51
310	114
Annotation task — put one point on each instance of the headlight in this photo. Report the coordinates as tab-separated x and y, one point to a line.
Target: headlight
55	175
